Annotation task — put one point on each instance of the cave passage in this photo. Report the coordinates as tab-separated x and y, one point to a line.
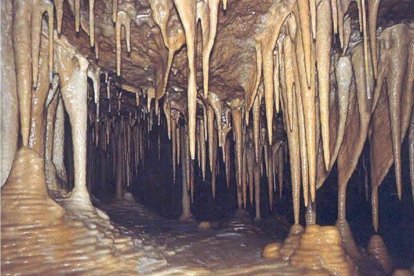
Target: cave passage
207	137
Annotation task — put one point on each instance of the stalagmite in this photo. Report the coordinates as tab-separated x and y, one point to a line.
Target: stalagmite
323	58
343	73
122	19
377	249
320	250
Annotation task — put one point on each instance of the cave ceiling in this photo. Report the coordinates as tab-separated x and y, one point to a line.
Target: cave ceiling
233	57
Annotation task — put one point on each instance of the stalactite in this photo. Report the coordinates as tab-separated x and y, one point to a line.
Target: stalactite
256	177
346	166
302	144
395	77
38	106
372	19
367	51
21	27
95	77
122	19
323	57
187	11
289	78
77	15
305	27
212	148
203	150
51	105
276	80
207	13
58	142
59	14
237	133
411	153
256	126
39	8
91	23
114	10
270	178
281	168
227	163
244	178
344	75
178	140
294	153
309	112
174	144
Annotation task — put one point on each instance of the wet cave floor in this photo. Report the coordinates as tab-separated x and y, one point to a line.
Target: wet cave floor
232	247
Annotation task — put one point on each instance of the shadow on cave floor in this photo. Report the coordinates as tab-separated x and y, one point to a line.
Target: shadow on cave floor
235	243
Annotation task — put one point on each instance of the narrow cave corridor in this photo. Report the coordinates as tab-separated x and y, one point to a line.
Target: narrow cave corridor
207	137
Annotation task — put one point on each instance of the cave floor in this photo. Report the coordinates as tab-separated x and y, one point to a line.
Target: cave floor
232	247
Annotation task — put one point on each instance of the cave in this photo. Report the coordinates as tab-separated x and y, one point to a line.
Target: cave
207	137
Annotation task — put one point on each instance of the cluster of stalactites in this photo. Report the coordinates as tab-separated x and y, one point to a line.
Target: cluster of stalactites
296	58
253	156
121	132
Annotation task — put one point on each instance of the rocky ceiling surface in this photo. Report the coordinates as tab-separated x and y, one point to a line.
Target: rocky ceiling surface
233	56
